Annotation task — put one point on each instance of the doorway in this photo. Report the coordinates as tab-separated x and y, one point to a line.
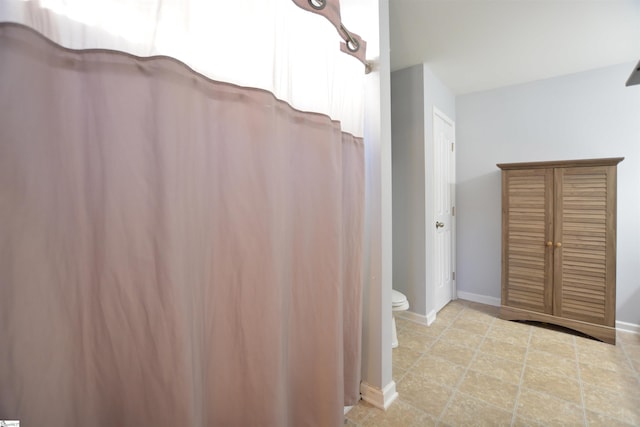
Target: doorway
444	177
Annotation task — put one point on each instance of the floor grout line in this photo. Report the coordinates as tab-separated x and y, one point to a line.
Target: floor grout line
606	389
464	374
580	383
514	412
447	328
417	408
423	354
629	360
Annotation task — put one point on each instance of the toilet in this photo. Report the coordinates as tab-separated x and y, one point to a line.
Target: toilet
399	302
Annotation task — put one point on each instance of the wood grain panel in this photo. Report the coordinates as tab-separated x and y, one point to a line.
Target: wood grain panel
581	278
526	216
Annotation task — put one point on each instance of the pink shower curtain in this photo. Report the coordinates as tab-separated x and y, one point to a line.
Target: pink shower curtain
173	250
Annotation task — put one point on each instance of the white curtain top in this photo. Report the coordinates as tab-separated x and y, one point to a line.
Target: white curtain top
268	44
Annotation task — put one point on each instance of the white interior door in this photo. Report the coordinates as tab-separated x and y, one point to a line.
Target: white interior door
443	208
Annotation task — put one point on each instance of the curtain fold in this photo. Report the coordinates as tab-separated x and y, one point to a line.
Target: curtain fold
353	172
173	250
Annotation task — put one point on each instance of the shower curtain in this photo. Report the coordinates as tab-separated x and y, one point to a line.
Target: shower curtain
174	250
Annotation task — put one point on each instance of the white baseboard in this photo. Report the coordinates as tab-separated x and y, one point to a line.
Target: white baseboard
380	398
418	318
414	317
431	317
482	299
627	327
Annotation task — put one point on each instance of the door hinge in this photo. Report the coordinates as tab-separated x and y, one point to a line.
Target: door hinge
453	275
452	144
453	211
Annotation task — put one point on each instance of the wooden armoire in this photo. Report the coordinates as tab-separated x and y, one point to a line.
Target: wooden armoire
559	244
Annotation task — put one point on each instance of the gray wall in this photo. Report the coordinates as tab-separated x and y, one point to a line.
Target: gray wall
414	93
372	17
584	115
407	135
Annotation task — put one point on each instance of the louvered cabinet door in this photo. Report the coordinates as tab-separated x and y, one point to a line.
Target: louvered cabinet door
584	228
527	214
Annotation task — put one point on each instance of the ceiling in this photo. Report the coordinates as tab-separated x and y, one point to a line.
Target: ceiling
474	45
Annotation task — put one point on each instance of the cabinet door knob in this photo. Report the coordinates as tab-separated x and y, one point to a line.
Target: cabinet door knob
439	224
558	245
549	243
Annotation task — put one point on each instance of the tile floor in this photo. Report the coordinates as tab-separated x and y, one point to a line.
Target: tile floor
471	368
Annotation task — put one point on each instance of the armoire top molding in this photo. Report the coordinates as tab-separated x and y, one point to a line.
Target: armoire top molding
609	161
